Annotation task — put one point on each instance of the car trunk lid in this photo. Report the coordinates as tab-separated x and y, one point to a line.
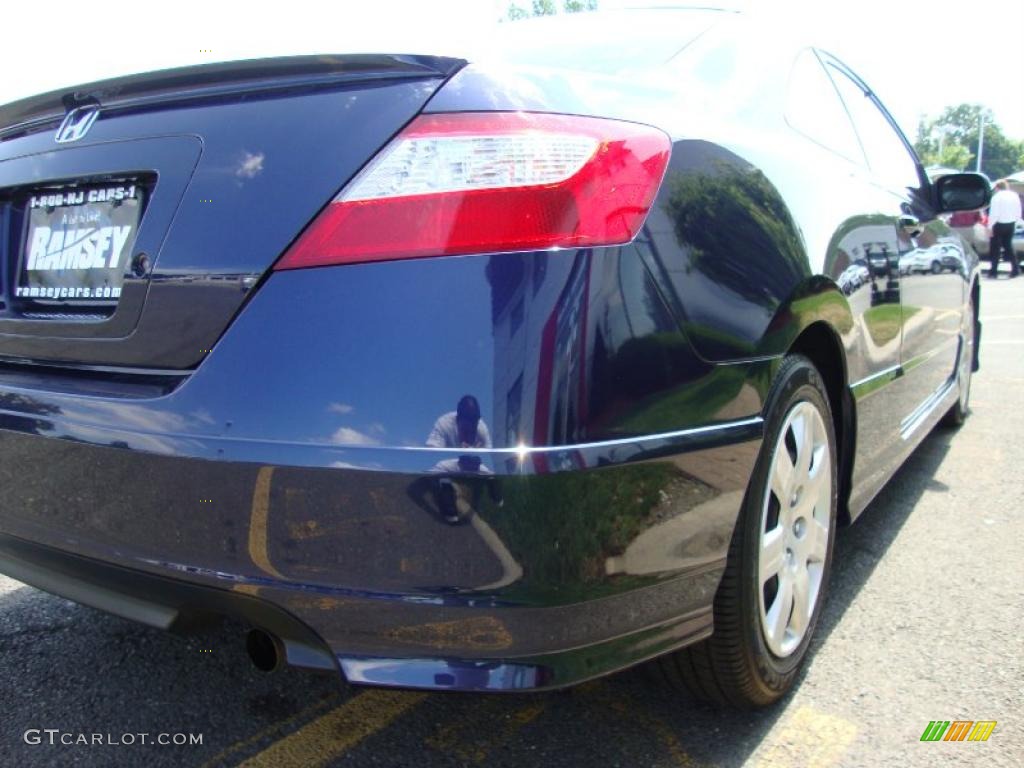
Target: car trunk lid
200	176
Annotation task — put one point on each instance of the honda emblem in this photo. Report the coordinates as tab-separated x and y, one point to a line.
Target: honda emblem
76	124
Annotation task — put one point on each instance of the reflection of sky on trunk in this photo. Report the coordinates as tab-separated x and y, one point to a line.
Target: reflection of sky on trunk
395	320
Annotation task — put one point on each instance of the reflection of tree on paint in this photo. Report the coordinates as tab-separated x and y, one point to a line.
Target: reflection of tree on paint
590	516
738	230
21	404
641	365
559	410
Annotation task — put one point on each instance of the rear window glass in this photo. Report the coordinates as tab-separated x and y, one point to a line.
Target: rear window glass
814	108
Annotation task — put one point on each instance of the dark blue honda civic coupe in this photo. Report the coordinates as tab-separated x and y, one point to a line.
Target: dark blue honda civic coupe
489	373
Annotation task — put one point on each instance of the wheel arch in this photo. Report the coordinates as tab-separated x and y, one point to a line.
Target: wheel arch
820	343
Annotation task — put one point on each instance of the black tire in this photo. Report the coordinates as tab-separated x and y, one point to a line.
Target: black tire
735	666
957	415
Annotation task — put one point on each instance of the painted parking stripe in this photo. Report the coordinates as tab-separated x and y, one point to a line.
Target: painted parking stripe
809	739
241	746
637	710
511	571
483	730
258	521
336	732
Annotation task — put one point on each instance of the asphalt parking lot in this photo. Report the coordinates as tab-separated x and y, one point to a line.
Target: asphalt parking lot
923	623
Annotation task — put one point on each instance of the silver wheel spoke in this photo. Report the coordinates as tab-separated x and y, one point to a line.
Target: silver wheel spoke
818	480
803	431
778	616
801	602
782	477
817	541
773	549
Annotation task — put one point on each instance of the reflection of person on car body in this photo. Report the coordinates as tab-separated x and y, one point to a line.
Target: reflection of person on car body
461	428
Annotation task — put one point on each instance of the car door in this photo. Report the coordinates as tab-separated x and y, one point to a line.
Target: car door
929	255
862	257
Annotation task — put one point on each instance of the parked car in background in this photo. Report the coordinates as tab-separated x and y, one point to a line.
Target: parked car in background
935	259
496	372
972	227
982	245
853	277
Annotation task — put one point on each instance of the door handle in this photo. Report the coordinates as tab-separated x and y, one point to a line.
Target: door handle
910	224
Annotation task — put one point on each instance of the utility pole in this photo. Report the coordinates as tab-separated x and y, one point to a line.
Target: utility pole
981	139
943	131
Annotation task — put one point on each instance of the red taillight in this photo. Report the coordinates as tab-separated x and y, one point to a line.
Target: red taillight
489	182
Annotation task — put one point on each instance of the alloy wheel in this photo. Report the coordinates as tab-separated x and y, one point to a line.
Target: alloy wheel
795	520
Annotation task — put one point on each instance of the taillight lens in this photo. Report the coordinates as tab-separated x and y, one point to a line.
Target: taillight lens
489	182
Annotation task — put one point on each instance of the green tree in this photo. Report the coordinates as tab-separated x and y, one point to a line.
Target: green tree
956	131
953	156
946	154
515	13
548	8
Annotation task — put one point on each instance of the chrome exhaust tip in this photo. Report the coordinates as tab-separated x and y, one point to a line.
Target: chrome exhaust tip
265	650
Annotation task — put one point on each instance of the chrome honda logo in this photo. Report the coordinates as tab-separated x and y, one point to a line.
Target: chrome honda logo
76	124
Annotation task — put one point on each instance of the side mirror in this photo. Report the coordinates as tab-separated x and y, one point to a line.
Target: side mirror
962	192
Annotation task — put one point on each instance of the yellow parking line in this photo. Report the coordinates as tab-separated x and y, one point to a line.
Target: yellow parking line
512	571
473	737
809	739
258	523
240	746
638	711
337	731
671	743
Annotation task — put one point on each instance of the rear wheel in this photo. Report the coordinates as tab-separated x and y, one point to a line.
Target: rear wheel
775	580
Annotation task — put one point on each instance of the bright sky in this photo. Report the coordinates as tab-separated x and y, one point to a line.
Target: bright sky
918	56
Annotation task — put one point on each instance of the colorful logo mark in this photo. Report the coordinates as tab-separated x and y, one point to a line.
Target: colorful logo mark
958	730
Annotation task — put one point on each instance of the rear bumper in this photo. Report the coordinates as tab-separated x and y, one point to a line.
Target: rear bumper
555	579
178	604
289	468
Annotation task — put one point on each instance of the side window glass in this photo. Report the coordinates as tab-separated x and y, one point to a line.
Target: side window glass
814	109
888	157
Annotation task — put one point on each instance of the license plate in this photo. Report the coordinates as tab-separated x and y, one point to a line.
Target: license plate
78	244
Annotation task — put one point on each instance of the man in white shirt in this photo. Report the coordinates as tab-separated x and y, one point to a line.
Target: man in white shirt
461	428
1003	214
457	496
